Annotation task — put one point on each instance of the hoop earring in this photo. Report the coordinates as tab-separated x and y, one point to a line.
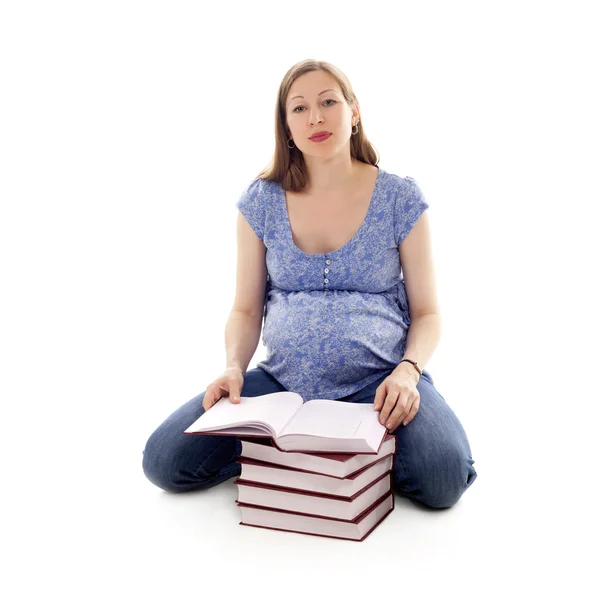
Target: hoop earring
288	144
355	132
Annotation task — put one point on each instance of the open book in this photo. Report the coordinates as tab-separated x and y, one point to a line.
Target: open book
295	425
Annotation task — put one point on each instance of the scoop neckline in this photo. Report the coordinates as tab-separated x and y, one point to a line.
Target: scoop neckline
351	240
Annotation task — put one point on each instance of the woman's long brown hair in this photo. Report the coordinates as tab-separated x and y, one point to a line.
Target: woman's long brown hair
287	165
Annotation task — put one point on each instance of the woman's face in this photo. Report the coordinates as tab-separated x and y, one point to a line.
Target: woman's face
318	110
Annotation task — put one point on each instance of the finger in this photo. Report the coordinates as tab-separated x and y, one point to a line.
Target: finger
207	401
413	411
407	402
215	393
379	396
390	402
234	392
400	412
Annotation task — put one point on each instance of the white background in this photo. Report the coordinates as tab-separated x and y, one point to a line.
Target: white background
128	131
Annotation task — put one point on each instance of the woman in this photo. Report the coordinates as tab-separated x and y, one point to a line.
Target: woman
334	253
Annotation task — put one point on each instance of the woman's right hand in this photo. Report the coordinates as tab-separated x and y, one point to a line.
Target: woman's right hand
230	382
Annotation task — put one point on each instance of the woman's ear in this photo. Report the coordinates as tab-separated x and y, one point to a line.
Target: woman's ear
355	111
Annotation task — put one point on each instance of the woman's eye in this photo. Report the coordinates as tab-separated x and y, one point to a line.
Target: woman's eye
328	100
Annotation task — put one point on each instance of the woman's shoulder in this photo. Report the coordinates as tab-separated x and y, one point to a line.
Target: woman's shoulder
258	191
258	185
404	189
400	181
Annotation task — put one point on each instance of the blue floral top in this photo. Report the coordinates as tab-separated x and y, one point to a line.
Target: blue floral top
333	323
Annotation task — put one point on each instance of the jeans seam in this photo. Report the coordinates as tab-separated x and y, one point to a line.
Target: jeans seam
224	475
403	466
399	459
218	444
231	469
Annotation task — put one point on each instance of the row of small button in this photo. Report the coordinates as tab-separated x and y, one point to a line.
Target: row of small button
325	280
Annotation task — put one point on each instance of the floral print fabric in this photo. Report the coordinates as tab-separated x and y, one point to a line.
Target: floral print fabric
333	323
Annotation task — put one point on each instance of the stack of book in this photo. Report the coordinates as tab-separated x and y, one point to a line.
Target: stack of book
333	495
321	467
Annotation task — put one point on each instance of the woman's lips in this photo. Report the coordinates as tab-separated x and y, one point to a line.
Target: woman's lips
320	138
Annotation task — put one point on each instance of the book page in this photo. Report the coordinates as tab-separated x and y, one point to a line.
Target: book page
332	419
274	410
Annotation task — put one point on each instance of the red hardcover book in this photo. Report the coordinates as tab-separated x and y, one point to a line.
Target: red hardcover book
357	529
285	477
334	465
313	503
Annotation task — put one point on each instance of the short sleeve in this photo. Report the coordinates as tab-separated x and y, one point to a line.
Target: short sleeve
252	205
410	205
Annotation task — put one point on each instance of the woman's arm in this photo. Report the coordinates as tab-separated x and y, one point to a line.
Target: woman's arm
422	339
242	332
416	258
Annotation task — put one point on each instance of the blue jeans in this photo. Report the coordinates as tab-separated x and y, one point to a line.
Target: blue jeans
432	465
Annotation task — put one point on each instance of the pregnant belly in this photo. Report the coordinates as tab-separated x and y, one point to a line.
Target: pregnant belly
321	330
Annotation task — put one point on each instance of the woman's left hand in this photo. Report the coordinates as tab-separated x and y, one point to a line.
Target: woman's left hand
398	398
